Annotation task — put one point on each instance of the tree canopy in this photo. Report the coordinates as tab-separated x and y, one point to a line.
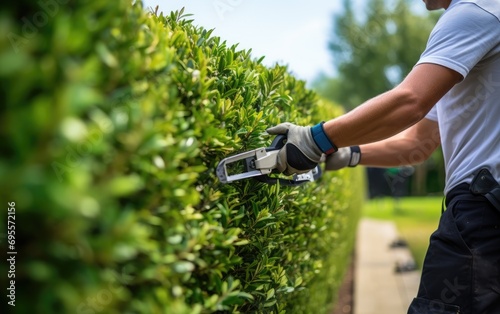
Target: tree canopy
374	51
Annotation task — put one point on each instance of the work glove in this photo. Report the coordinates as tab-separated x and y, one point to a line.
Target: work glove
344	157
301	152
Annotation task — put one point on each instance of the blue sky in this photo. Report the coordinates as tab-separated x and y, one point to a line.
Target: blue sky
293	32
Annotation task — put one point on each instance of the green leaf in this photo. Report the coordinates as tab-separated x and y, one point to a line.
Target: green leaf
183	267
270	294
106	56
125	185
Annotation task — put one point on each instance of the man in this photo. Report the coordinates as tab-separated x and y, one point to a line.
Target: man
450	98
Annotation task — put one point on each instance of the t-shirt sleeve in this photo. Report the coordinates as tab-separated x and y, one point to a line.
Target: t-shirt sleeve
432	114
461	38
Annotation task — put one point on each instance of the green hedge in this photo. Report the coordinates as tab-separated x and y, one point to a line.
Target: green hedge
113	122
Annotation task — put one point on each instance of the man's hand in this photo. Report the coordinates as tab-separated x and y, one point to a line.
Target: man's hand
300	153
344	157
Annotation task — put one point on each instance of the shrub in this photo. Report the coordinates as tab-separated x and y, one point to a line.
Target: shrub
114	121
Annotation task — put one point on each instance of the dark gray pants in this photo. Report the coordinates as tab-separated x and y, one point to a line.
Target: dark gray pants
461	272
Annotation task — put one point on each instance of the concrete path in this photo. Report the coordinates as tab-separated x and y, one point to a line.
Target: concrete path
378	289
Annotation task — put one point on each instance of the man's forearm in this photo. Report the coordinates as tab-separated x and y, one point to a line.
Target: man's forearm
410	147
392	154
377	119
390	113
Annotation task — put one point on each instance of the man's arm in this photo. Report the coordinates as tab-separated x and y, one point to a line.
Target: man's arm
412	146
394	111
377	119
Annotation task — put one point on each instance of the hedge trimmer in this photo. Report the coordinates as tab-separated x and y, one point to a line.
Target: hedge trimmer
259	164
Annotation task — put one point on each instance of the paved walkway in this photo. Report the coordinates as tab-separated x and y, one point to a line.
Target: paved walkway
378	289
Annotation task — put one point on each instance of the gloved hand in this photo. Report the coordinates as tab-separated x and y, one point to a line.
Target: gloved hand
300	153
344	157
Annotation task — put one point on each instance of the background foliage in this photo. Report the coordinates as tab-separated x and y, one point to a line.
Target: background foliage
112	123
372	52
374	49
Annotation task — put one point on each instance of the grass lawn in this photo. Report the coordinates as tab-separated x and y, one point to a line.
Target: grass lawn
415	217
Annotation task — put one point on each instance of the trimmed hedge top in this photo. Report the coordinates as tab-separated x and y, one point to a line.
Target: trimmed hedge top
113	123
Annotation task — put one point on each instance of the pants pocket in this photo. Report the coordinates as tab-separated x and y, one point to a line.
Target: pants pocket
424	306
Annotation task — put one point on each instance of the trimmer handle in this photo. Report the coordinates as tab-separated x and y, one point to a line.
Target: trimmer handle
298	179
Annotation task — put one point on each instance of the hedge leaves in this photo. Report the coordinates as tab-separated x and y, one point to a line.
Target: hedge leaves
113	120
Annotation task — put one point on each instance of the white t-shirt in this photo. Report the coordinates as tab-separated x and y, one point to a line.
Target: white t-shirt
466	39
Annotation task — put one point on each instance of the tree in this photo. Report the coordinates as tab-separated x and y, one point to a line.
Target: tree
373	53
